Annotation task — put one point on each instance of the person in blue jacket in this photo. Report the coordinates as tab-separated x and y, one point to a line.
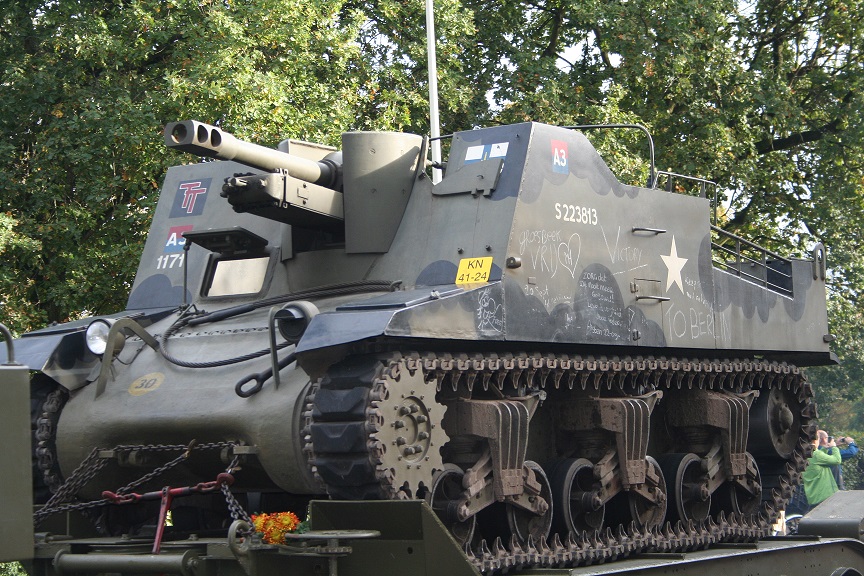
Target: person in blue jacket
848	449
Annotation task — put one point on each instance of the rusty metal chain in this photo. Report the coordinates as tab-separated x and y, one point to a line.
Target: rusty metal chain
94	463
168	465
234	507
86	471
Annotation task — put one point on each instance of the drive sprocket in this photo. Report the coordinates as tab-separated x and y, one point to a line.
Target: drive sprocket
375	430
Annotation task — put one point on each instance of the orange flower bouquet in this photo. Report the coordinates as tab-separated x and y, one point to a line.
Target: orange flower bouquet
274	526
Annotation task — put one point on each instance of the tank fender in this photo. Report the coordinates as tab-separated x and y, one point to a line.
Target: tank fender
60	351
382	315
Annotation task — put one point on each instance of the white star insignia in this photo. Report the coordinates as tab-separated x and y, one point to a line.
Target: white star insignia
674	265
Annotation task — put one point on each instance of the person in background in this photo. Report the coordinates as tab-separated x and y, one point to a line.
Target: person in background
818	478
848	449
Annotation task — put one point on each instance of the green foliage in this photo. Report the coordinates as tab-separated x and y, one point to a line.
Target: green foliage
12	569
762	97
87	87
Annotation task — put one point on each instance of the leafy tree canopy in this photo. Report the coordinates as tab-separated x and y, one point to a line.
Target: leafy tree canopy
762	96
87	87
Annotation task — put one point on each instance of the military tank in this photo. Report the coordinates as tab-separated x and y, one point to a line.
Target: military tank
567	370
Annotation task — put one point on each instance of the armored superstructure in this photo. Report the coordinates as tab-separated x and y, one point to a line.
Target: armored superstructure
565	368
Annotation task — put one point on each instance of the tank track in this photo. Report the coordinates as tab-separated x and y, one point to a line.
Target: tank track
352	408
46	405
348	411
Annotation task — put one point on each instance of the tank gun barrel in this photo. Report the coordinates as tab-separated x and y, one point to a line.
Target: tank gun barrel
206	140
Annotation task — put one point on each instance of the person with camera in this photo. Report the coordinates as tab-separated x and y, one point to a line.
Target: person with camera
848	449
818	478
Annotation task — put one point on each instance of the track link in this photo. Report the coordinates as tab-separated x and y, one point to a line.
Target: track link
352	438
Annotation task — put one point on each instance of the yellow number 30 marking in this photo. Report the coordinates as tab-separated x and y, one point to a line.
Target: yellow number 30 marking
146	383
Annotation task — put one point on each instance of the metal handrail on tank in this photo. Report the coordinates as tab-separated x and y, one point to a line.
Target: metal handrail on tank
703	186
703	183
10	346
652	174
762	264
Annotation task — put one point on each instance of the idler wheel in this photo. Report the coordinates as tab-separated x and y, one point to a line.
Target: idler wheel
742	496
689	498
444	498
775	424
524	523
574	496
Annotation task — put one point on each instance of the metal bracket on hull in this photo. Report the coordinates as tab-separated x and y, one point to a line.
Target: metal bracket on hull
728	413
494	420
629	419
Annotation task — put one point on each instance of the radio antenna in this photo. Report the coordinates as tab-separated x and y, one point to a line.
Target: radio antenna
434	122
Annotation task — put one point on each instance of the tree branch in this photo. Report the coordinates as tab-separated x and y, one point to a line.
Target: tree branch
797	139
554	34
603	53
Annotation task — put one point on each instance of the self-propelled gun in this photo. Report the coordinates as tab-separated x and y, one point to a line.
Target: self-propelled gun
564	368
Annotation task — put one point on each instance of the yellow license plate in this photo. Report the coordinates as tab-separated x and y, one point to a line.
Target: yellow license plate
474	270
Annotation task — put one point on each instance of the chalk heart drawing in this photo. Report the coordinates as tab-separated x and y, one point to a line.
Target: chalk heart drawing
566	255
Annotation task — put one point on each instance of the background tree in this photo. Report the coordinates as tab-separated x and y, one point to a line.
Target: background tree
87	87
763	97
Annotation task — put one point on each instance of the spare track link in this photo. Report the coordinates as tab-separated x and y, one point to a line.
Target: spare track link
344	419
